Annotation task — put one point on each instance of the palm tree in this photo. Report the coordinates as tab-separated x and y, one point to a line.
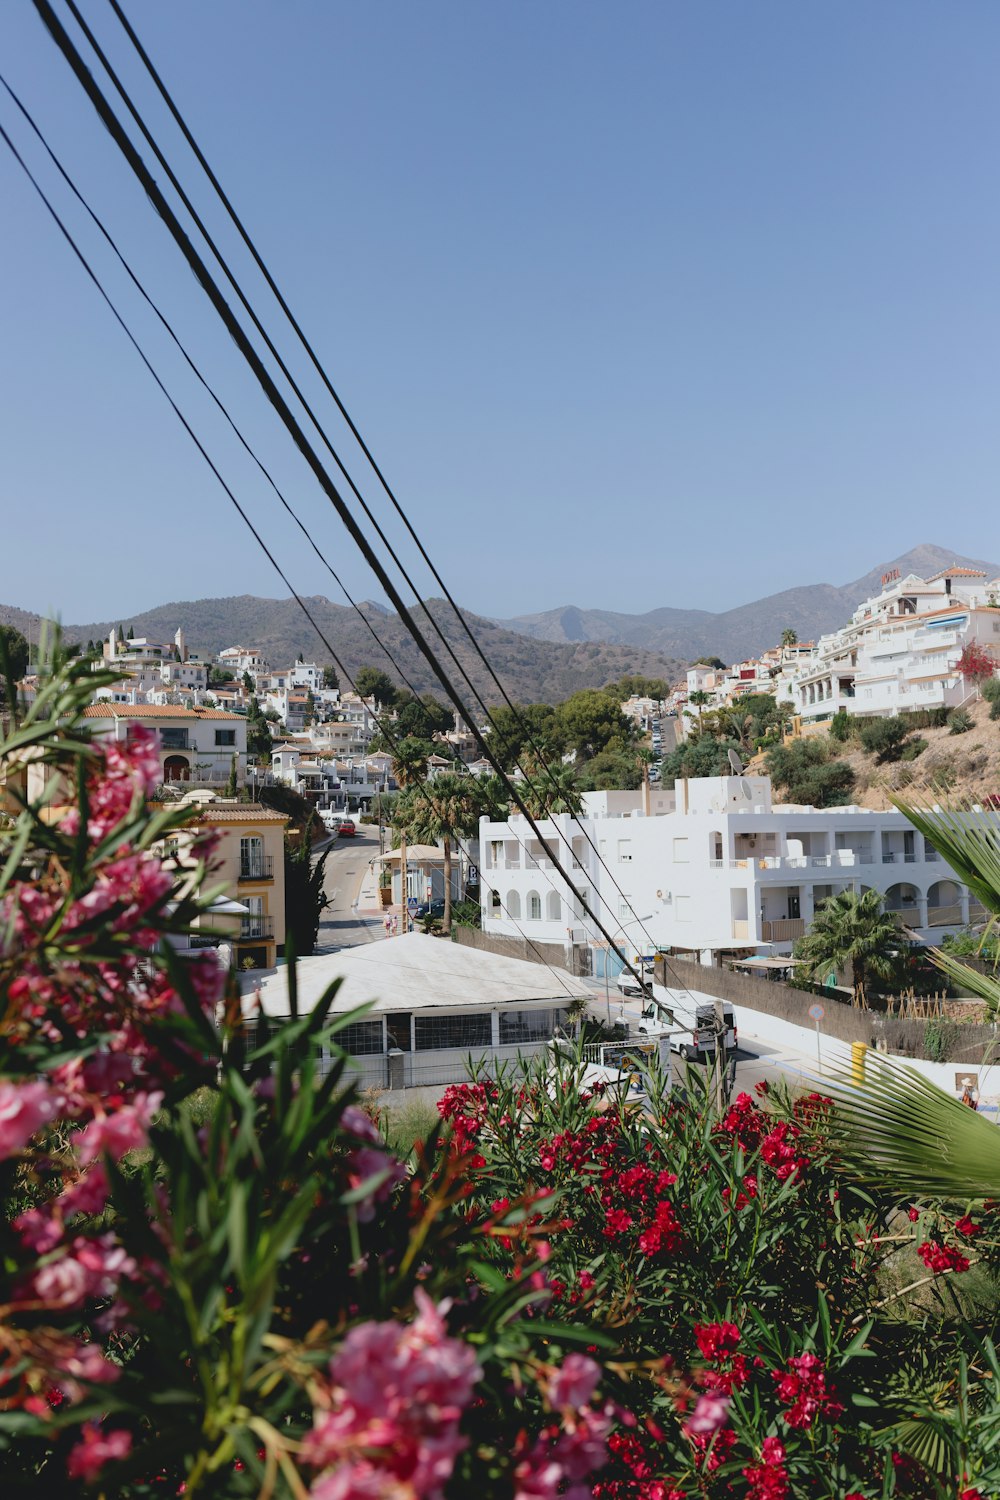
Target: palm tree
446	808
699	698
851	928
550	790
409	767
789	637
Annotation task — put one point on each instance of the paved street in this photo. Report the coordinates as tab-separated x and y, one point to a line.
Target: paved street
340	925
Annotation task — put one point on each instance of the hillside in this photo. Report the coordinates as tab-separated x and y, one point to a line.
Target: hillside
954	767
532	671
810	610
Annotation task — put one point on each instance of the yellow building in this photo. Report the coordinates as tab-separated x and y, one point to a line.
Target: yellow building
249	865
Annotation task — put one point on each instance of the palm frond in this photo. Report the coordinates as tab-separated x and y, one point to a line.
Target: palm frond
967	836
901	1131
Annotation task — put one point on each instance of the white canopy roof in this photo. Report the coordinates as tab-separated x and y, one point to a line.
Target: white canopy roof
417	972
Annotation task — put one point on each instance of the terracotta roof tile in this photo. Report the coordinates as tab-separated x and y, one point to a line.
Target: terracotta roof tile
154	711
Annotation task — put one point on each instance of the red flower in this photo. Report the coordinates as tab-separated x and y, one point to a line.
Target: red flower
803	1388
768	1480
940	1258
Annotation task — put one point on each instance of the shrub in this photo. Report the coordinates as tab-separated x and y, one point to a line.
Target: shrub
808	775
912	748
995	708
884	738
940	1038
959	721
990	689
841	725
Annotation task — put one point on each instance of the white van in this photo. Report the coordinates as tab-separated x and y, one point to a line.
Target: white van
629	985
691	1029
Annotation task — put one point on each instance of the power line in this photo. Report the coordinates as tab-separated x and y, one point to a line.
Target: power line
318	366
266	382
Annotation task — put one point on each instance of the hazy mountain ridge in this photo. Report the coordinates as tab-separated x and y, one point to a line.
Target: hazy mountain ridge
531	671
810	610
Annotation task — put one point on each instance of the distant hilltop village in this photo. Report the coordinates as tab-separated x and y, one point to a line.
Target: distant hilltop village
899	652
236	718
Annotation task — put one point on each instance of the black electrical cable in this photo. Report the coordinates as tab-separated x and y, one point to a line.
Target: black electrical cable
383	728
197	265
200	377
320	370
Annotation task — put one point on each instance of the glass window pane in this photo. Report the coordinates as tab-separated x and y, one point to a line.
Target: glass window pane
453	1031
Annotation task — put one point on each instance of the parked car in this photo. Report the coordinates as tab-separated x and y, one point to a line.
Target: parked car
429	909
346	828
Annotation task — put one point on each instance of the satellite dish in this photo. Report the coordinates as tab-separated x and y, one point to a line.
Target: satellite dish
736	765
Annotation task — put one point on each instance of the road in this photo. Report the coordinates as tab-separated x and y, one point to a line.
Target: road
340	926
756	1061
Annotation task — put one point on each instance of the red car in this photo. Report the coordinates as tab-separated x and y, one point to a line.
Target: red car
347	829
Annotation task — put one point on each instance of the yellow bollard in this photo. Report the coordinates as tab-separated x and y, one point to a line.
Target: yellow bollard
858	1050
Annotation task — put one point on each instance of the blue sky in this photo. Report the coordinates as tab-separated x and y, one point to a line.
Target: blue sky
637	305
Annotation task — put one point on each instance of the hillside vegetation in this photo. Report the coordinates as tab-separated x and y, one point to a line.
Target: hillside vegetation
531	671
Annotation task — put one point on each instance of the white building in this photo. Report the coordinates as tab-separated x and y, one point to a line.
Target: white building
719	867
900	650
196	744
240	659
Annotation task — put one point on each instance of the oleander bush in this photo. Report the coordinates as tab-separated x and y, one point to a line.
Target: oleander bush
219	1280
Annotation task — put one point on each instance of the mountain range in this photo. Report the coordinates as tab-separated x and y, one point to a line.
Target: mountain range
538	658
810	610
531	671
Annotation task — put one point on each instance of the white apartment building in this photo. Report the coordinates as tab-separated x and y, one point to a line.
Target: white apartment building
900	650
717	866
240	659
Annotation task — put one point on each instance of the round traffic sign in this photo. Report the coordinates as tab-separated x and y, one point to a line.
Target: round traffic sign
816	1012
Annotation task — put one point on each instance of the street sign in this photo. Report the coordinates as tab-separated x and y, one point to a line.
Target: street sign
816	1012
412	904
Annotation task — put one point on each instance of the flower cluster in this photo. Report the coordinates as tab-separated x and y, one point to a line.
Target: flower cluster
802	1389
388	1421
768	1479
570	1449
940	1258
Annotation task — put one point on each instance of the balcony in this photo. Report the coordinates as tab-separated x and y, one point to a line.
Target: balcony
256	928
257	867
784	930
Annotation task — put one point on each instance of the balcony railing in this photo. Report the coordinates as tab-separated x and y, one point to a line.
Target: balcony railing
256	927
257	867
784	930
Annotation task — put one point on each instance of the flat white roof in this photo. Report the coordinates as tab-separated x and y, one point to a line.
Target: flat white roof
417	972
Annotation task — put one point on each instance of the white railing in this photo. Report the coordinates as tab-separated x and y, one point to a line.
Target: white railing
451	1064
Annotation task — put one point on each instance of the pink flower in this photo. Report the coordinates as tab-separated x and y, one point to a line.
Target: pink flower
367	1165
397	1395
125	1130
24	1109
88	1457
361	1125
62	1283
574	1383
710	1413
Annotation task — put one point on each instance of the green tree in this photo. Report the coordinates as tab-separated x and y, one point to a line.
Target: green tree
806	772
612	770
232	785
445	808
219	676
369	682
409	768
698	756
552	790
631	686
421	718
715	662
699	698
305	898
589	720
259	742
248	684
852	929
330	679
310	715
884	738
514	731
789	637
13	656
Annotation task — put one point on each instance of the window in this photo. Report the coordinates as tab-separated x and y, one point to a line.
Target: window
361	1039
529	1026
496	851
534	907
452	1031
624	910
225	736
624	851
173	739
680	851
495	905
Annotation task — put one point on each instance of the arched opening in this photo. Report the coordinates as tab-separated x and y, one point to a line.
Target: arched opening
513	905
902	898
177	768
552	906
495	905
534	907
944	904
